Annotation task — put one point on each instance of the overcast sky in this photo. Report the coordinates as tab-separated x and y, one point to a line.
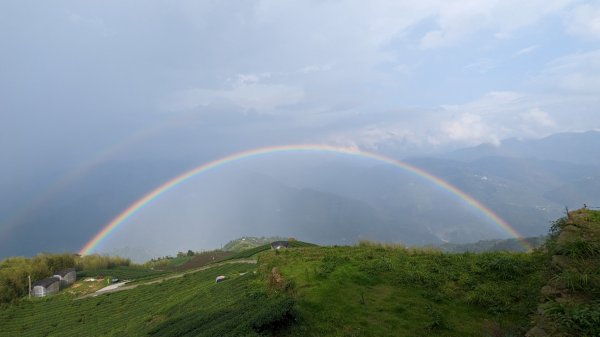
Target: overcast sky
88	82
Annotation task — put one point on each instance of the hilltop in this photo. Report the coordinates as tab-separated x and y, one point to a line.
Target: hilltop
248	242
368	289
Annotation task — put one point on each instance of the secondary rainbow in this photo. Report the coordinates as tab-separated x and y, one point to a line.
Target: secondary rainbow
148	198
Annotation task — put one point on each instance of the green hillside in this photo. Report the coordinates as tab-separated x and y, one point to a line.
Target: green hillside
497	245
365	290
253	251
374	290
249	242
571	297
192	305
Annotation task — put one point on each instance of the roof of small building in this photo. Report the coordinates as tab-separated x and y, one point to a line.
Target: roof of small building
64	272
280	243
45	282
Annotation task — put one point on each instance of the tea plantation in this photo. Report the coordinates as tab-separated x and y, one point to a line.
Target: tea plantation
365	290
193	305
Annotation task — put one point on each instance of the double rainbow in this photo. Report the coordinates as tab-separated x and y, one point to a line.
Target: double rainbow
91	245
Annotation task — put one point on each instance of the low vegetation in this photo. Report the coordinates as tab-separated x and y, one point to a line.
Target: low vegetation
249	242
14	271
498	245
266	247
571	297
187	262
122	273
192	305
376	290
370	289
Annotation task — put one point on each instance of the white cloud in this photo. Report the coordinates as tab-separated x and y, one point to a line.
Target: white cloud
526	50
539	117
575	73
489	104
496	116
469	128
584	21
457	20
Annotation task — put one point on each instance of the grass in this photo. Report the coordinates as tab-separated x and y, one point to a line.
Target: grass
266	247
573	254
364	290
388	291
238	306
123	273
201	260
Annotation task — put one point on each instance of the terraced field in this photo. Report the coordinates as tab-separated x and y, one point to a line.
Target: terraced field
238	306
365	290
124	273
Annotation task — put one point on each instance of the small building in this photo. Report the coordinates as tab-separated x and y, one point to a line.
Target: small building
66	276
220	279
44	287
280	244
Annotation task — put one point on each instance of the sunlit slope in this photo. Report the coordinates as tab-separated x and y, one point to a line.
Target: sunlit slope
371	290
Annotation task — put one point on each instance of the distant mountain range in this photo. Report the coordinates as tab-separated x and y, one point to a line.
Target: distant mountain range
328	199
575	148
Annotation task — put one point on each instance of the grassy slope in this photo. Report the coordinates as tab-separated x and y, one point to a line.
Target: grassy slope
254	251
367	290
121	272
239	306
250	242
183	263
571	296
378	291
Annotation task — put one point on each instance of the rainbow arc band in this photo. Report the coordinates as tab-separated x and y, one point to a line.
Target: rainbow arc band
93	243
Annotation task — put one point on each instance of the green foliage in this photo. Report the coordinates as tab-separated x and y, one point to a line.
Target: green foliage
329	263
251	252
97	261
249	242
14	273
370	289
15	270
168	262
251	315
385	290
192	305
577	319
436	321
496	245
122	272
573	254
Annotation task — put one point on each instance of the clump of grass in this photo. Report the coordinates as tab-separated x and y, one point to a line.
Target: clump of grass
437	321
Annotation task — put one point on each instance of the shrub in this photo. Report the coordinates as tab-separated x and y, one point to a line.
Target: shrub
436	320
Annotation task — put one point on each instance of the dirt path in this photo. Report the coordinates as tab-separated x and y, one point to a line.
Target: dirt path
122	285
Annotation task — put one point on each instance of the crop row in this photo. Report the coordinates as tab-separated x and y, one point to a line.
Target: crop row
125	312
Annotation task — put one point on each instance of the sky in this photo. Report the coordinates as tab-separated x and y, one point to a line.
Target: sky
84	84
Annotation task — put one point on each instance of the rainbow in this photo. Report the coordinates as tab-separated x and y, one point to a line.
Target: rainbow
148	198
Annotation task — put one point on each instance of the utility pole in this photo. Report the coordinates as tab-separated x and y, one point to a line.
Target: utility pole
29	277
